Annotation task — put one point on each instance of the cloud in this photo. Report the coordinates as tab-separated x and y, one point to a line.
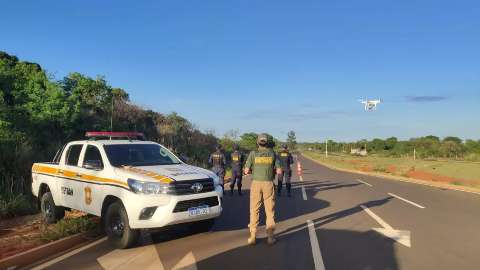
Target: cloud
425	98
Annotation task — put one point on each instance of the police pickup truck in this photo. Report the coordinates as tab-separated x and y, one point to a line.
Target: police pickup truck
130	183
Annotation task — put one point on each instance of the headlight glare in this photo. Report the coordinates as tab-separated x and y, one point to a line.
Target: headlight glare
148	187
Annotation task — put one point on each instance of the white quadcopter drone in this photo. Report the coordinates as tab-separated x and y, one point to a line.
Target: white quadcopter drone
370	104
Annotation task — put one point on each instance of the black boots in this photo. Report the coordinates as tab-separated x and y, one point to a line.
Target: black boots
279	188
239	191
289	189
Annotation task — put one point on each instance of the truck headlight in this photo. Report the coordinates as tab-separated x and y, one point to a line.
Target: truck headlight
148	187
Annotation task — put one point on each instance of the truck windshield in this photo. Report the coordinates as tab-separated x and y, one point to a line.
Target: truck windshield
139	155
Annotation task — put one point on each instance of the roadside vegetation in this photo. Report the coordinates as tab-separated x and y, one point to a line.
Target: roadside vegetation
449	160
40	113
26	232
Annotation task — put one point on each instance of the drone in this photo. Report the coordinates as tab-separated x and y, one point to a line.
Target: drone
370	104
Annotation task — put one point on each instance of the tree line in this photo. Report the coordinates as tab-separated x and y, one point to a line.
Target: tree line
424	147
39	114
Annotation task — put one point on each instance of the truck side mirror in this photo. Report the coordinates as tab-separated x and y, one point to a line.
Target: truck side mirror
93	165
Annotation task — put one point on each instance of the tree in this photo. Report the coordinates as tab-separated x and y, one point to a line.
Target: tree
453	139
248	141
291	140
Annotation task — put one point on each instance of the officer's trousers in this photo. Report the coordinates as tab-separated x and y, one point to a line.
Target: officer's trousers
262	192
220	172
236	178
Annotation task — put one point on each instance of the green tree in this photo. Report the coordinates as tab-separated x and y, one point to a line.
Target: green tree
291	140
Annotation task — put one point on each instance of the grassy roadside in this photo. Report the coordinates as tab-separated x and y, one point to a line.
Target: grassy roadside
26	232
459	173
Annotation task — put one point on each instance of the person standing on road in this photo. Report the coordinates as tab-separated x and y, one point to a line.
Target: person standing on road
218	162
264	163
286	161
237	163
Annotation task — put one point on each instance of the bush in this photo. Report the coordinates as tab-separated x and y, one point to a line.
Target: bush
473	157
67	227
16	205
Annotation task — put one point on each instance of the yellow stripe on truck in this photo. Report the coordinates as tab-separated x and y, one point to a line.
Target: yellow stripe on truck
73	175
161	178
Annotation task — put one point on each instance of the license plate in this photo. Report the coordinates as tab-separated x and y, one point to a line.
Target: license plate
199	211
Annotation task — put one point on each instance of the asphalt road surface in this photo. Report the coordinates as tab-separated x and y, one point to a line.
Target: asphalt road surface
334	220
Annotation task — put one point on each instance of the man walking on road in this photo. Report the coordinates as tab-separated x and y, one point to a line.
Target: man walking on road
237	163
263	162
286	161
218	162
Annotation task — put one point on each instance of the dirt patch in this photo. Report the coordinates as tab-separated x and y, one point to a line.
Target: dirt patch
417	174
392	169
356	162
366	168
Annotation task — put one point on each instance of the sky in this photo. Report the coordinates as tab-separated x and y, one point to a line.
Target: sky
270	66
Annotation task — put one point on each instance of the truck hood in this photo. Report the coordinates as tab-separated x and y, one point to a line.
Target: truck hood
165	173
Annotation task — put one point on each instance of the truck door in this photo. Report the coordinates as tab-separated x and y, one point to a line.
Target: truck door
68	184
93	170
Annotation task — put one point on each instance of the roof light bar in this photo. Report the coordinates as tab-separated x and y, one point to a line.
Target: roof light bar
110	134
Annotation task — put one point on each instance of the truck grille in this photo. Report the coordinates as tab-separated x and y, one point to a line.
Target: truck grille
187	187
183	206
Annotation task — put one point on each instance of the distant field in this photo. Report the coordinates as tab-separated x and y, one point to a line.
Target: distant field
451	172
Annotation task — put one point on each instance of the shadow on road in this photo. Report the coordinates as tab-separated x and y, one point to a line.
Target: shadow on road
346	250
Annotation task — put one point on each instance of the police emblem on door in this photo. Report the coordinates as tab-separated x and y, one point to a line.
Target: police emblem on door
88	195
197	187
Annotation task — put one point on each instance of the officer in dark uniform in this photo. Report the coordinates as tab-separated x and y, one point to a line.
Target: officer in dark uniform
237	163
286	160
218	162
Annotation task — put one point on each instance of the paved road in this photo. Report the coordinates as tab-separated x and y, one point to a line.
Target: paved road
333	221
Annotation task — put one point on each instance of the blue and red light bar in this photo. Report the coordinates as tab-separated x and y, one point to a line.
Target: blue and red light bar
111	134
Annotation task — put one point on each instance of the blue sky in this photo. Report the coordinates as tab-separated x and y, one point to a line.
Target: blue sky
270	66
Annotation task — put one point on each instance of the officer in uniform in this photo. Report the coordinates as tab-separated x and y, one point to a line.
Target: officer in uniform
262	163
286	161
237	163
218	162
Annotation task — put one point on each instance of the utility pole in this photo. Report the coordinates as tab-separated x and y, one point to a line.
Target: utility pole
414	154
326	148
111	117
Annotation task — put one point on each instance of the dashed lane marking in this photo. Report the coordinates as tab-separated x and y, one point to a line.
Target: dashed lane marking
317	255
407	201
363	182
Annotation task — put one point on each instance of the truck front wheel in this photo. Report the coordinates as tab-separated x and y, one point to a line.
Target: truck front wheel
117	228
50	212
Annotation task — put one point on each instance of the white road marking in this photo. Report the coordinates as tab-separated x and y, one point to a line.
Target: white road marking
402	237
69	254
377	218
363	182
407	201
144	257
304	193
317	255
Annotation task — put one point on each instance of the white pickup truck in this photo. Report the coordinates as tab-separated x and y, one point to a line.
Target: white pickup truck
131	184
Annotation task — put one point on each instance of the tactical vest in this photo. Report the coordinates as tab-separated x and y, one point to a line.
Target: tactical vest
285	160
236	160
217	159
264	165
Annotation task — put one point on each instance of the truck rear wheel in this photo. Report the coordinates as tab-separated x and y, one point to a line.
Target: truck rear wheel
50	212
117	227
